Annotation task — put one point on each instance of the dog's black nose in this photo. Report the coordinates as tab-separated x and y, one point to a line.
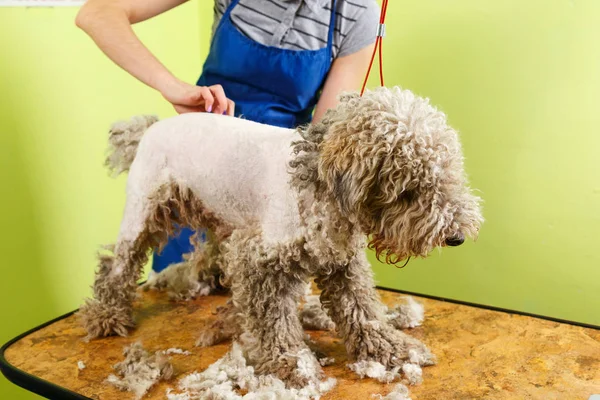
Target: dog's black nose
456	240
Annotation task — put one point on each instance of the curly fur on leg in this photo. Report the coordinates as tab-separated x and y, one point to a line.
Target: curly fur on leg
267	284
313	316
110	311
349	296
408	314
149	218
226	326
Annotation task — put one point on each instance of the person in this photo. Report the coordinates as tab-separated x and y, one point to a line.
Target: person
278	62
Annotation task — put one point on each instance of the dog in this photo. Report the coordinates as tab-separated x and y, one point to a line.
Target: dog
282	206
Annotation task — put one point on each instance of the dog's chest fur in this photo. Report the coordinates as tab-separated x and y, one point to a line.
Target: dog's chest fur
238	169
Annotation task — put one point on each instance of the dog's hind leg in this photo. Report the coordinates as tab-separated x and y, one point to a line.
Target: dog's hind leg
110	310
348	294
145	223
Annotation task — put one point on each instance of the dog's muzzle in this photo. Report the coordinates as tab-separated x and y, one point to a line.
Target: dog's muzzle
456	240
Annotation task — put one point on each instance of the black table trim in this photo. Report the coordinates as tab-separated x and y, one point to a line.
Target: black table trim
31	382
493	308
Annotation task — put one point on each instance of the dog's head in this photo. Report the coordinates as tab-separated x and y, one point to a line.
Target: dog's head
396	168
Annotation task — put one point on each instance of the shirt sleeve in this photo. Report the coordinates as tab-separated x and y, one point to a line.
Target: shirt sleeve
219	8
363	32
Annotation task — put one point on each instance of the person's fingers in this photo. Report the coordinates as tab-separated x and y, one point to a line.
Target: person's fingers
181	109
220	99
230	107
197	96
207	97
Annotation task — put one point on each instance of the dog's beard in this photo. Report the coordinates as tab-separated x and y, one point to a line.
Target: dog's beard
383	252
406	230
391	253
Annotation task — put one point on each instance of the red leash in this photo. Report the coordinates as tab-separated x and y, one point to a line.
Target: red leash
378	42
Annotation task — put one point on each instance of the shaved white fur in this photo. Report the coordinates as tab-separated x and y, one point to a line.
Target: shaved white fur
237	167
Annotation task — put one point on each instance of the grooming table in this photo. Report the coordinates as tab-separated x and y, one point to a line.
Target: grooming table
482	354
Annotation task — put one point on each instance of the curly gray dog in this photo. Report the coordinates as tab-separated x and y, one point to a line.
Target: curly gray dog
283	206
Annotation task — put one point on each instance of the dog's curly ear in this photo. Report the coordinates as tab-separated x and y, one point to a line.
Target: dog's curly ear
342	190
348	170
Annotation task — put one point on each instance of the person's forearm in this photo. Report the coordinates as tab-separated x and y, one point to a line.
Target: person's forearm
346	74
109	25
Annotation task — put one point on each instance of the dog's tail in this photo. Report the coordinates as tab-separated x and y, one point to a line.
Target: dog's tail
123	142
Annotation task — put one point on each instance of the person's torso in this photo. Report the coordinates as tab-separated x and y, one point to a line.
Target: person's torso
295	24
274	73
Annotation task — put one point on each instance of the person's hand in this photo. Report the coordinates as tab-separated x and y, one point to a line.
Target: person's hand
187	98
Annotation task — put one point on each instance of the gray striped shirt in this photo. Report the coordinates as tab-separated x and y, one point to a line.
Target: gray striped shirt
303	24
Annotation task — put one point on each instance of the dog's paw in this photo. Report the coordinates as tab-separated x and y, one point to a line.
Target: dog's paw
296	370
100	319
392	348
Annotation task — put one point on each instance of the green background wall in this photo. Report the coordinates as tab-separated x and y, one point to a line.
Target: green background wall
58	95
519	79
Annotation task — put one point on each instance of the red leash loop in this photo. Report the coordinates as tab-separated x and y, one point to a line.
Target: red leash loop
378	46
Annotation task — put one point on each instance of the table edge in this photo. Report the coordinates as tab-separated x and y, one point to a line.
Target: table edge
30	382
50	390
493	308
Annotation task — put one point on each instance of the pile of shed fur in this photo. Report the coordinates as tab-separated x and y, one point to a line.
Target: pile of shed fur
228	376
231	378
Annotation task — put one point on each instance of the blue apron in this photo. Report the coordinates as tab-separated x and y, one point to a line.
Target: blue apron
269	85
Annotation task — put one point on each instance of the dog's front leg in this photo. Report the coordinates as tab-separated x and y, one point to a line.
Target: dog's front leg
266	286
349	296
270	306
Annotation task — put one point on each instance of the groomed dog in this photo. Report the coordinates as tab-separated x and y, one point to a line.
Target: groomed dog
282	206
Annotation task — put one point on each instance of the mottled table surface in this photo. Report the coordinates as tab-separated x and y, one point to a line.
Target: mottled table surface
482	354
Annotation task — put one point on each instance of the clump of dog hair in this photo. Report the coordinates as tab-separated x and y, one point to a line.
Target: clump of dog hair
180	280
197	275
313	316
408	315
123	142
413	374
375	370
175	351
309	340
400	392
140	370
420	358
325	361
223	379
